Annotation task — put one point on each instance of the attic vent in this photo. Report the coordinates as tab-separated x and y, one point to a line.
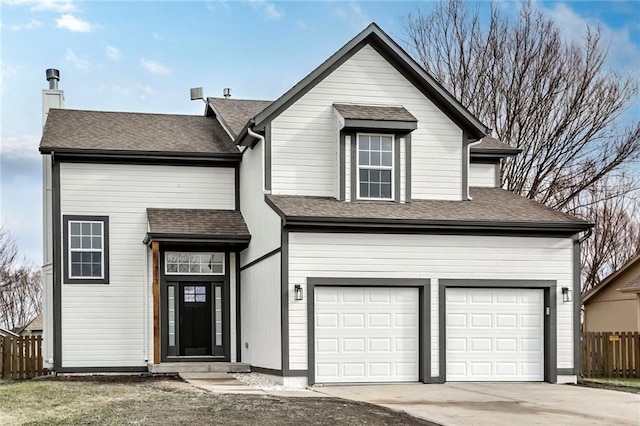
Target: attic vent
226	92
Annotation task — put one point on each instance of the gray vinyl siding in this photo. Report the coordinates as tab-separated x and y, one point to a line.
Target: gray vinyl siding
104	325
431	257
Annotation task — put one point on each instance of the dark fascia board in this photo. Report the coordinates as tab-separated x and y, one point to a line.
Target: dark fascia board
374	34
102	154
241	241
410	224
494	153
408	126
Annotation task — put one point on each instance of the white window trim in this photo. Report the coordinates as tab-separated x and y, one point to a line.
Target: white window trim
392	168
81	250
166	263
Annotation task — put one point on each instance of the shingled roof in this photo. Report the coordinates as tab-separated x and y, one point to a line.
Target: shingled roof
492	147
68	129
235	113
196	224
490	207
374	112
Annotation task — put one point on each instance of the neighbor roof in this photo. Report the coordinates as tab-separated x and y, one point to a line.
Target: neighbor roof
76	130
235	113
196	224
632	286
34	324
489	208
374	112
613	278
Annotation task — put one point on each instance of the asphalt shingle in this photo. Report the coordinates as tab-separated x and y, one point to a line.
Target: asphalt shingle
371	112
197	222
237	112
126	131
487	205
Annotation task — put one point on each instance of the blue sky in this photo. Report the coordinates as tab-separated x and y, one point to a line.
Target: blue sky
145	55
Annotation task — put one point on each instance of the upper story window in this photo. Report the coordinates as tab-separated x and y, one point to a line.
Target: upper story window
186	263
86	249
375	166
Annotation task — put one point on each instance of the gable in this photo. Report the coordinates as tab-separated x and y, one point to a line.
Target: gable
378	39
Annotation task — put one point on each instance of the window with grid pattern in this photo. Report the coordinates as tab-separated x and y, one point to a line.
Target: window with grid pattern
375	166
86	249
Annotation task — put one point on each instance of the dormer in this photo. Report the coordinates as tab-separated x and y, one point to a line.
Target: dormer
485	162
372	151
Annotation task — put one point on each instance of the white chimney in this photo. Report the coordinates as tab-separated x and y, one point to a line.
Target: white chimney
51	97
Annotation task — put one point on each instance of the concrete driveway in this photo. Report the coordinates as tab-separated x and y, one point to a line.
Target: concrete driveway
500	403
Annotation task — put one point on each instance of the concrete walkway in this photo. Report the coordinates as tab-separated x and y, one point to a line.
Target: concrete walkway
226	383
500	403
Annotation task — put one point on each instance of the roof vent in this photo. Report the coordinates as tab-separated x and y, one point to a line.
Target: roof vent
53	76
226	92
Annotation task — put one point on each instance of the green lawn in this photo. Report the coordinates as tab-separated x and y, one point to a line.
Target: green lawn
152	401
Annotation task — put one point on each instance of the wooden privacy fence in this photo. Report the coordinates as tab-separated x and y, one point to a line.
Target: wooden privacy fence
611	354
21	357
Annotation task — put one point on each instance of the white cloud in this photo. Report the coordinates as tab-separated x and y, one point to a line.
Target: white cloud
44	5
353	13
154	67
20	147
623	51
71	23
113	53
7	70
31	25
267	9
76	61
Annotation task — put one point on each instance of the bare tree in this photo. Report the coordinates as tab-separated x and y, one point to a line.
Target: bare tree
20	286
553	98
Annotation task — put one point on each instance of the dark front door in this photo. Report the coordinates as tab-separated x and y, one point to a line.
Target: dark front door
195	319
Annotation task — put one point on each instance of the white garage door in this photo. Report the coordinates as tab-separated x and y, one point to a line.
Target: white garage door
366	334
495	334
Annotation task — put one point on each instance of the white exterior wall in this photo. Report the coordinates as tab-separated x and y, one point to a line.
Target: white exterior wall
262	221
104	325
484	175
260	314
428	256
303	136
47	262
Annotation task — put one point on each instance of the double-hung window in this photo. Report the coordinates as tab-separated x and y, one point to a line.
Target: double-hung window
86	249
375	166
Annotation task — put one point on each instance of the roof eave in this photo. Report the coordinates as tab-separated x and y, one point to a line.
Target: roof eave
76	153
609	279
237	240
494	153
468	225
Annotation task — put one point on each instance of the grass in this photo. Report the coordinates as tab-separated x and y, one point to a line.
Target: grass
112	400
613	383
631	383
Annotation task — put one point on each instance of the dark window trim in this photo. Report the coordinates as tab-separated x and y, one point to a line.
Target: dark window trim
65	257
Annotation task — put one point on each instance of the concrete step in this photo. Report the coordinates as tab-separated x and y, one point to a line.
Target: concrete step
200	367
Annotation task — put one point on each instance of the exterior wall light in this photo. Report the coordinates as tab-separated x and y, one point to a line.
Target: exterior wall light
298	292
566	294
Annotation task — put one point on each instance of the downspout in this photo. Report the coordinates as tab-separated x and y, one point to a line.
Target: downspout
469	145
264	154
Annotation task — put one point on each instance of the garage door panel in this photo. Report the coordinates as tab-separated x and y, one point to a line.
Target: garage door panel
500	340
376	341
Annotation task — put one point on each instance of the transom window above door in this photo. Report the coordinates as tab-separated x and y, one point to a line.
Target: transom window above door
375	167
189	263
